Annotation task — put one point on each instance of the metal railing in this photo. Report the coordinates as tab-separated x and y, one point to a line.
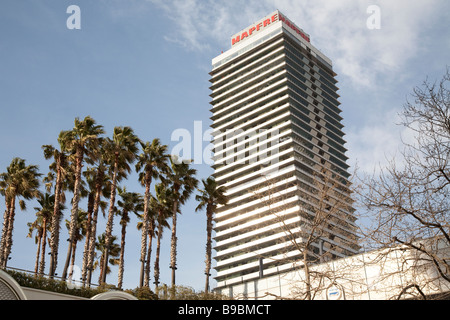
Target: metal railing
69	280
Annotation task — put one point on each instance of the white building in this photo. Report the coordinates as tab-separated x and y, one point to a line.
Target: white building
388	274
277	126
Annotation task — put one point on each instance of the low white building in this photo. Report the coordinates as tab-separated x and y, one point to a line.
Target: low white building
394	273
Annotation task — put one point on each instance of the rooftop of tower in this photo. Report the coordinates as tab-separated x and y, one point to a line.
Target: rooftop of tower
263	29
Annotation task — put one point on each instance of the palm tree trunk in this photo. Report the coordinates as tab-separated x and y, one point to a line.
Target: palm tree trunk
101	266
88	239
158	249
44	242
38	254
145	227
9	241
54	237
72	263
109	223
209	224
90	263
4	232
74	214
147	262
91	250
122	251
173	245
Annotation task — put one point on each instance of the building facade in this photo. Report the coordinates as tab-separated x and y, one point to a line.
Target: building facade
395	273
279	150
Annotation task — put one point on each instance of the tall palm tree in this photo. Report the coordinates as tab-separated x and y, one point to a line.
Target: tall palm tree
59	167
114	253
79	232
19	181
36	226
210	197
152	162
131	202
82	143
162	204
122	150
182	178
42	224
89	175
98	182
151	216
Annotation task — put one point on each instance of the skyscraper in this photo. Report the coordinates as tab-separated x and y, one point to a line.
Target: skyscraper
279	150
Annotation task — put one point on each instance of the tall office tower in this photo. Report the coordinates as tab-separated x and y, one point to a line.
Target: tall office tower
278	148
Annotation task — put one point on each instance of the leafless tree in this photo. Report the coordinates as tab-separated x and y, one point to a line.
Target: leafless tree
408	200
325	212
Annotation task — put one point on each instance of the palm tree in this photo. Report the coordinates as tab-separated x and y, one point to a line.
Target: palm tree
42	224
163	204
19	180
131	202
122	150
182	178
114	252
98	182
59	166
151	226
82	142
79	232
32	226
210	197
152	162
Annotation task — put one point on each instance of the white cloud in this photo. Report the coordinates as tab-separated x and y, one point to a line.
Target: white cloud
198	23
373	145
374	62
338	28
365	56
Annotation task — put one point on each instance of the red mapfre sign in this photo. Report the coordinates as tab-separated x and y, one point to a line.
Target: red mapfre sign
294	27
265	23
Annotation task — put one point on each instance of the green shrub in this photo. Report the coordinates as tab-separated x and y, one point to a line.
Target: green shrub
187	293
42	283
143	293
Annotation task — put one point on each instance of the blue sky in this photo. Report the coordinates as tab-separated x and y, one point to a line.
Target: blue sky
145	64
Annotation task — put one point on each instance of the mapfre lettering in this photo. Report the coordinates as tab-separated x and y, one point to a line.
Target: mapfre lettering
293	27
257	27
